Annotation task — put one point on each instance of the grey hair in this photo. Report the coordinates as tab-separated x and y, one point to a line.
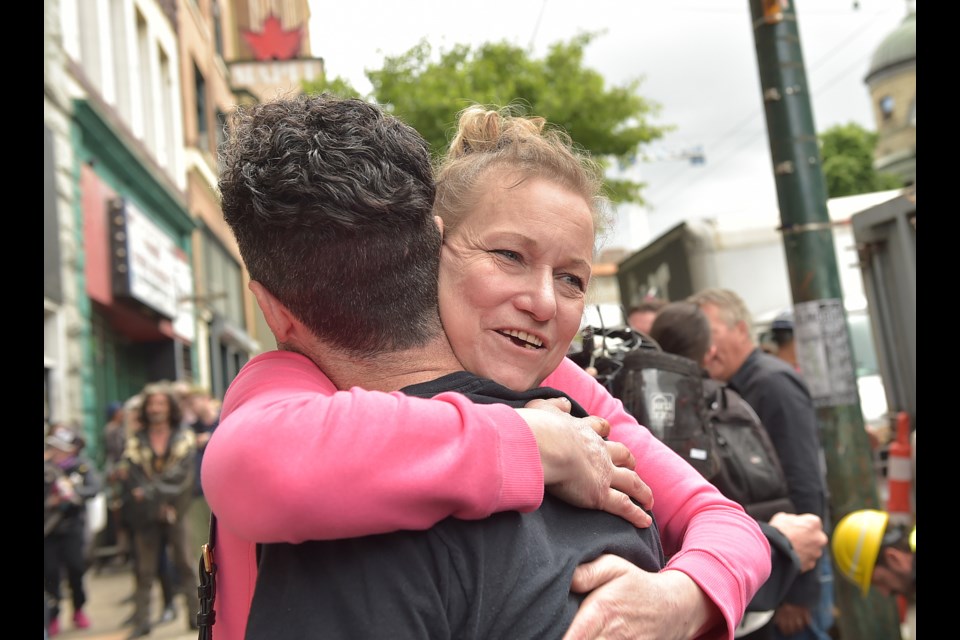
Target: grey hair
732	307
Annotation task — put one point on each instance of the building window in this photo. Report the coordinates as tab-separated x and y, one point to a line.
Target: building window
167	137
121	60
200	87
217	29
886	107
224	280
147	87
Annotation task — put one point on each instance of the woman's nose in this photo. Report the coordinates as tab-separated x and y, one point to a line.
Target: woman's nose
539	298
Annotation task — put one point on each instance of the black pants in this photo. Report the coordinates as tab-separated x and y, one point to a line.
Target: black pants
63	553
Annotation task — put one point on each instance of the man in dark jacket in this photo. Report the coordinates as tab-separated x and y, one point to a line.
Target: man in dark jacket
782	400
796	541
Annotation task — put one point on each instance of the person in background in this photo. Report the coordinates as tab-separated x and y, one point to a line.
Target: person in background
114	438
521	301
781	335
114	434
782	400
181	391
157	470
133	408
640	317
206	416
70	479
871	550
796	541
785	347
206	413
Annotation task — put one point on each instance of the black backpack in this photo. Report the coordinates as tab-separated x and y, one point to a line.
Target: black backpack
664	392
704	421
749	471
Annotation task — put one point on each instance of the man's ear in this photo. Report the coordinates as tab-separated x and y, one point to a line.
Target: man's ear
439	222
744	330
897	559
278	317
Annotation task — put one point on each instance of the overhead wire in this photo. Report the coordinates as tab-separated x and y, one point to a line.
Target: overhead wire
704	171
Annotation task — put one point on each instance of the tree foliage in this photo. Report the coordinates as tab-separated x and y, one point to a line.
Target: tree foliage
847	152
427	91
338	87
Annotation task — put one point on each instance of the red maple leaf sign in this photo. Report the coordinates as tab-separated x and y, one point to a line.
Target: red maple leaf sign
273	43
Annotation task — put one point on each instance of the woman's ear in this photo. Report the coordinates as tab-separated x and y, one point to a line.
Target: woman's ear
439	222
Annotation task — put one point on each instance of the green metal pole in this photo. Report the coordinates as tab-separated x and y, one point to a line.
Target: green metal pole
820	326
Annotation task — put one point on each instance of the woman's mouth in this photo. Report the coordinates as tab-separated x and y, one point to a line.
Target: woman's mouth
522	338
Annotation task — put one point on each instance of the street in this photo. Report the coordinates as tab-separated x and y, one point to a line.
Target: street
107	608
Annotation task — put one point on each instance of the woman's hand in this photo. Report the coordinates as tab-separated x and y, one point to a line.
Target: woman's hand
582	468
628	603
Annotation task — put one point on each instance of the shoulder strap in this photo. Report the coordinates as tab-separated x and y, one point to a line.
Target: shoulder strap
208	584
714	396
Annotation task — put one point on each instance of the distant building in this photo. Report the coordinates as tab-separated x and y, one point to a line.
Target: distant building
892	83
142	278
268	51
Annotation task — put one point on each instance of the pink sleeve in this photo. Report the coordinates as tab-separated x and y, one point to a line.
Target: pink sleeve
293	459
704	535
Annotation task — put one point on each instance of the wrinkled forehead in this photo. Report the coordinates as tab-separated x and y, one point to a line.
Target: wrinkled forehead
504	180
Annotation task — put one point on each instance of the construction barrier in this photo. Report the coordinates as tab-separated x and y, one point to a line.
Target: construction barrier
900	474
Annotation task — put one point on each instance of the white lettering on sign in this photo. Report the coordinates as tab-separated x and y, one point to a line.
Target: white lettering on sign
154	270
152	263
275	72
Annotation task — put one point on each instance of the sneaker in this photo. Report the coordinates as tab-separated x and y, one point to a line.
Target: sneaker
169	614
80	620
53	628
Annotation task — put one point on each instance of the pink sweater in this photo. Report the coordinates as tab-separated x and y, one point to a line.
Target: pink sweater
420	461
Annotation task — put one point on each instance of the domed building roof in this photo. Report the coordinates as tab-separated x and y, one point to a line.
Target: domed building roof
899	46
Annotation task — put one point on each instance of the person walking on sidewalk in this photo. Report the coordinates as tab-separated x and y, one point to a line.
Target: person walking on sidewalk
69	480
158	470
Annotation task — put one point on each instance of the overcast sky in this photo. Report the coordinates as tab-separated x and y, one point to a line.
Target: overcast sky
696	58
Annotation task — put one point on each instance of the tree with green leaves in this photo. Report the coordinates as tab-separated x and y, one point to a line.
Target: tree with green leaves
611	122
847	152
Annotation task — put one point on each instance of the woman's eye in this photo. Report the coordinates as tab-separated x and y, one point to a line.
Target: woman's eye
574	281
508	254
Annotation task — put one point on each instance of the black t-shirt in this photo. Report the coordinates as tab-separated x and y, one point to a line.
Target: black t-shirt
506	576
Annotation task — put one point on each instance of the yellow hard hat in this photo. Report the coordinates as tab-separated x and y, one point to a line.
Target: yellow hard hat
856	545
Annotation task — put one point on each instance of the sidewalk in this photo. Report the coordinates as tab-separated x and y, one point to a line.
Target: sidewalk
107	591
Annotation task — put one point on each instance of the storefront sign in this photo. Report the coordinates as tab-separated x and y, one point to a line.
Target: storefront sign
150	268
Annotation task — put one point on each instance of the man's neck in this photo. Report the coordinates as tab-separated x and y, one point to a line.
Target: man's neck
388	371
743	353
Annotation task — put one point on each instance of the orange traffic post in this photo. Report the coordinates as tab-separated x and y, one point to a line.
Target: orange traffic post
899	473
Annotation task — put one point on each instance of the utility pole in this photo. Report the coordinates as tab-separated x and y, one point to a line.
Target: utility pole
820	320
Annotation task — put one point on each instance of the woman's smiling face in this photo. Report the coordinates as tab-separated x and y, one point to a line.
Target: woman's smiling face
513	279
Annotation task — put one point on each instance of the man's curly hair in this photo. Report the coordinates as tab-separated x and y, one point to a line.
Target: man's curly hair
330	201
